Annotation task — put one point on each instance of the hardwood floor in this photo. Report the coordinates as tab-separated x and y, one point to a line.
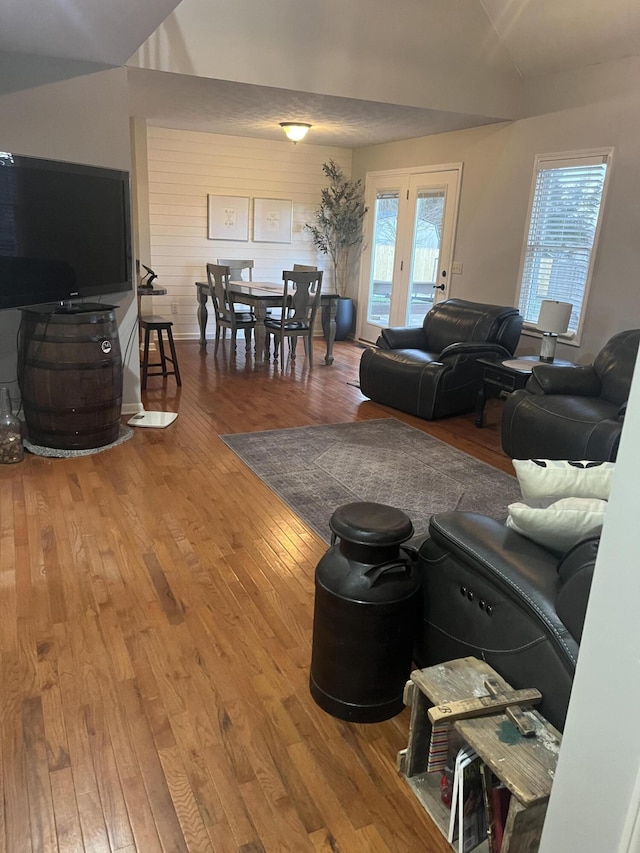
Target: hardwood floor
156	605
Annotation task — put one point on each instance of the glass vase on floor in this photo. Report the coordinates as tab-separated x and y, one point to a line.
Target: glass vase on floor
11	449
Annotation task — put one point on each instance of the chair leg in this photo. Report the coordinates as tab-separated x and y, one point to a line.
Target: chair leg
309	348
233	340
174	358
276	346
215	351
281	342
247	339
293	344
163	358
145	358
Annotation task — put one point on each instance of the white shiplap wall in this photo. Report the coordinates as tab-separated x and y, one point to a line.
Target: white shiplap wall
183	167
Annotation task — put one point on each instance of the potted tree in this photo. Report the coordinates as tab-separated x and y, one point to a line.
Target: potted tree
337	232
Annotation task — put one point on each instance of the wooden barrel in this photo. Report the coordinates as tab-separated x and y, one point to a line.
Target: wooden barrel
70	373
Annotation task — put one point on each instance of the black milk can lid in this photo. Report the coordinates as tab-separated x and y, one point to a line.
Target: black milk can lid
371	524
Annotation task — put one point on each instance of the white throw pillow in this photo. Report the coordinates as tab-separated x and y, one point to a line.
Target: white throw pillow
543	481
559	526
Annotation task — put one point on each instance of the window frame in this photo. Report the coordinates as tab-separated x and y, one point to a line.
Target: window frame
566	159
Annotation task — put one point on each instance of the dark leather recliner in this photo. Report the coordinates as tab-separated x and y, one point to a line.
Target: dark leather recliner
432	371
573	412
491	593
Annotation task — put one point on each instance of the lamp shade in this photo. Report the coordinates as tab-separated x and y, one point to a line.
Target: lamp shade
295	130
554	316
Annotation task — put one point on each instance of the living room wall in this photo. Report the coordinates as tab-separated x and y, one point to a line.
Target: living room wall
68	111
496	183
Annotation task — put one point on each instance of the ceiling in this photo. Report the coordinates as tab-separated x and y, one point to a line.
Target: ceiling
96	30
242	109
549	36
540	37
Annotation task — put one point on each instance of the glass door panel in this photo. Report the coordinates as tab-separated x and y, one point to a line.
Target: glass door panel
425	256
383	253
408	247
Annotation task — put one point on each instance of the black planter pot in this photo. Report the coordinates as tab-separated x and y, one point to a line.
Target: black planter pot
345	315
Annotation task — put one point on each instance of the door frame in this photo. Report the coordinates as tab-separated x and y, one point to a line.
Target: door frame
404	174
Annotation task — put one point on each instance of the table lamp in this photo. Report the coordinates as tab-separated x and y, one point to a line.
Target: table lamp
147	280
553	320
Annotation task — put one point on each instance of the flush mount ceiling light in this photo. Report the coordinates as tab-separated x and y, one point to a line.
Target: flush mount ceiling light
295	130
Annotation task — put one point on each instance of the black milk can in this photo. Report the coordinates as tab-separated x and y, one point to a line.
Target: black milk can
367	606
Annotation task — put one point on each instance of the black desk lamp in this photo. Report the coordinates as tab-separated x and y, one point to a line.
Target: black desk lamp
148	279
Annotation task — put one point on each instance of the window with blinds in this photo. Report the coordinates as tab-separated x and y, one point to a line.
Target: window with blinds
564	217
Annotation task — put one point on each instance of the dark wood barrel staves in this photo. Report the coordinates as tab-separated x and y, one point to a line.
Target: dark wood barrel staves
70	373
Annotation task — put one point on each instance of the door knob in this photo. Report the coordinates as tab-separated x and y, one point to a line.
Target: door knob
438	286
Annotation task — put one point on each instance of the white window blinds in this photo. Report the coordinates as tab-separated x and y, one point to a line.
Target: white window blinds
563	224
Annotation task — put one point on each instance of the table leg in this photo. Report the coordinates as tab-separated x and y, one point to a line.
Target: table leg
332	309
203	315
260	332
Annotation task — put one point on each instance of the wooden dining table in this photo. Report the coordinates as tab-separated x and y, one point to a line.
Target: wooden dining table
262	295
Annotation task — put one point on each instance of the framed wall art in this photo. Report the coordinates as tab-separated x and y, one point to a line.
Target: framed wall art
228	217
272	220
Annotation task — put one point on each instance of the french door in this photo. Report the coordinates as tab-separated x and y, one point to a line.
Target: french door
409	246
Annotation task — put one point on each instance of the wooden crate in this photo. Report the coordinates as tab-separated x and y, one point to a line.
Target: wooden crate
526	765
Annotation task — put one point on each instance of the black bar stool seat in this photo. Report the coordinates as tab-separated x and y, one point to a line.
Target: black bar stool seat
159	325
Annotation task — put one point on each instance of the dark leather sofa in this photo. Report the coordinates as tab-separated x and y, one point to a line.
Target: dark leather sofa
573	412
491	593
432	371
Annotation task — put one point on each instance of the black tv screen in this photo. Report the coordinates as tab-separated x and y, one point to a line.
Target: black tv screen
65	231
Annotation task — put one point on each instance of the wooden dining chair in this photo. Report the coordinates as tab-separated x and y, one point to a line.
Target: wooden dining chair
237	269
275	312
300	301
226	313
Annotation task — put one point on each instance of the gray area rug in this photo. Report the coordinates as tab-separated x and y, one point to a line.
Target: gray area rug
317	469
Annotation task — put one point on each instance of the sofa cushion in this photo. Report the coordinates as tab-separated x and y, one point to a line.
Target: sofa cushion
543	481
560	525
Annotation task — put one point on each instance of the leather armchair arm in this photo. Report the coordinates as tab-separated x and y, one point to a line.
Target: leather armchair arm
519	570
491	593
476	348
404	338
520	567
576	573
572	601
573	381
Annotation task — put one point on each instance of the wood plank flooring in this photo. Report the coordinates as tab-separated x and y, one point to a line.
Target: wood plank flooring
156	605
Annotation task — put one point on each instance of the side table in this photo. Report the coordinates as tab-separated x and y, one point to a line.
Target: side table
500	378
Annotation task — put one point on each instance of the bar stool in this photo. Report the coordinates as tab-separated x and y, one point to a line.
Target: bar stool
158	325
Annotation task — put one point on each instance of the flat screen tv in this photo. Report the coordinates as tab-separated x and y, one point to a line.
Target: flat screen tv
65	231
